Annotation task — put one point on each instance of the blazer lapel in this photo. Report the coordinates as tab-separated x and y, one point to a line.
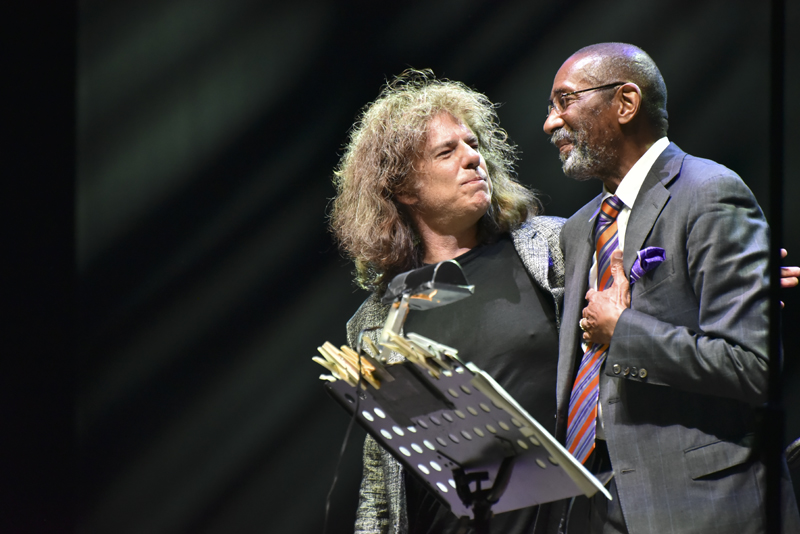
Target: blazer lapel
652	198
579	263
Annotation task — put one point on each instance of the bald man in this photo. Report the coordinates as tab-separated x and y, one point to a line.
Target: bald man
659	385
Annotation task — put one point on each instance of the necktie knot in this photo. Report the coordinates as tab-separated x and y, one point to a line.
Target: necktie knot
608	214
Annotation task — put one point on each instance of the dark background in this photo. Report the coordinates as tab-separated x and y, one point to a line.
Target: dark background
166	219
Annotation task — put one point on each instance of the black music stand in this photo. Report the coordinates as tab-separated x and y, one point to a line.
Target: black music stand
459	432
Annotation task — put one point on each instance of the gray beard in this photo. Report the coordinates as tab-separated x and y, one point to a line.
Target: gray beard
583	162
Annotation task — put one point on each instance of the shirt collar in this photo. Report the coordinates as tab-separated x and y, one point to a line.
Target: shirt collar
628	188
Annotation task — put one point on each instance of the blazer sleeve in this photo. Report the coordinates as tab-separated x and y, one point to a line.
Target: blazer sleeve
372	514
701	323
381	499
537	242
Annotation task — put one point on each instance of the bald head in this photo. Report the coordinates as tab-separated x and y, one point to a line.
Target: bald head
609	62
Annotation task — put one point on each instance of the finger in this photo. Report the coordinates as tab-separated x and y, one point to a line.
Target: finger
790	276
783	253
617	269
590	293
620	287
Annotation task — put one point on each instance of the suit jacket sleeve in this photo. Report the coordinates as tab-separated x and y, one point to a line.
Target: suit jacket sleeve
381	499
381	485
699	321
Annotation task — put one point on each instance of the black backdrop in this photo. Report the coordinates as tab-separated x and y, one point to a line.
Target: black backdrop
206	132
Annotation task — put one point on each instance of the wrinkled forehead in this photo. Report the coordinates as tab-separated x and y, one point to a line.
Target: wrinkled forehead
576	72
442	119
441	116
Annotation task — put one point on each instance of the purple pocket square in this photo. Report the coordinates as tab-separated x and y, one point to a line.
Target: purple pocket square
647	259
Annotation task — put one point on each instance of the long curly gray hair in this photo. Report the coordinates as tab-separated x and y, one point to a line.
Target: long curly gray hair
369	223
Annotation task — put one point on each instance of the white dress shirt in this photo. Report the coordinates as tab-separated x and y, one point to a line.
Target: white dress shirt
627	191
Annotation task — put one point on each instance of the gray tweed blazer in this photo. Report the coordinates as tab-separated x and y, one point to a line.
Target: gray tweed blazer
382	499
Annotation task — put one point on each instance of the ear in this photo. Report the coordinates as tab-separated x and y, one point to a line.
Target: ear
407	199
629	102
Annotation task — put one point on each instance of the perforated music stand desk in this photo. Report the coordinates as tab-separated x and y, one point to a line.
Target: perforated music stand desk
461	434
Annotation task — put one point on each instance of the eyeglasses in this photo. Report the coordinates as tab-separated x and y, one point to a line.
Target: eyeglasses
560	102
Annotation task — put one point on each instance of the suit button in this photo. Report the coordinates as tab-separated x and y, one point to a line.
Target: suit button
634	372
627	371
642	373
616	368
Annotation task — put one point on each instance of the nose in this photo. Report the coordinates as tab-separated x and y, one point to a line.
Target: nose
472	159
552	122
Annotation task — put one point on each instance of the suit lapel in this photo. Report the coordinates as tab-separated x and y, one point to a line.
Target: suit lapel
580	246
652	198
650	201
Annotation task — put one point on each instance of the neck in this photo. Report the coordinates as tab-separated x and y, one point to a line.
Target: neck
441	246
629	155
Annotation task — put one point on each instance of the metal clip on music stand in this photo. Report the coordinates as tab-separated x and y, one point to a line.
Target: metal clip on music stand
461	434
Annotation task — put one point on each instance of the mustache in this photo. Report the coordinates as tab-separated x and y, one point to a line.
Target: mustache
561	135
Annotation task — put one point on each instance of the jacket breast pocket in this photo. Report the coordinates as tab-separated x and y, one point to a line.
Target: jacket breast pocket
655	278
709	459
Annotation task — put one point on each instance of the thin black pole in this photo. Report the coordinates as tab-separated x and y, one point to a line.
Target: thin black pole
774	413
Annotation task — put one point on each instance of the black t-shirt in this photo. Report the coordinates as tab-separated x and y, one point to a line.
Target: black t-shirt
508	329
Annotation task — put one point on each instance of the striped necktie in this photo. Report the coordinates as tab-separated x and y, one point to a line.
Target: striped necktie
585	392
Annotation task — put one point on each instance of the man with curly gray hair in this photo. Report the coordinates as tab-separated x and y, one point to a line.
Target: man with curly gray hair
428	176
375	202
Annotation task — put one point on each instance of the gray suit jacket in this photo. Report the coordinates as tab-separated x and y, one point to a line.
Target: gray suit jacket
382	505
687	364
